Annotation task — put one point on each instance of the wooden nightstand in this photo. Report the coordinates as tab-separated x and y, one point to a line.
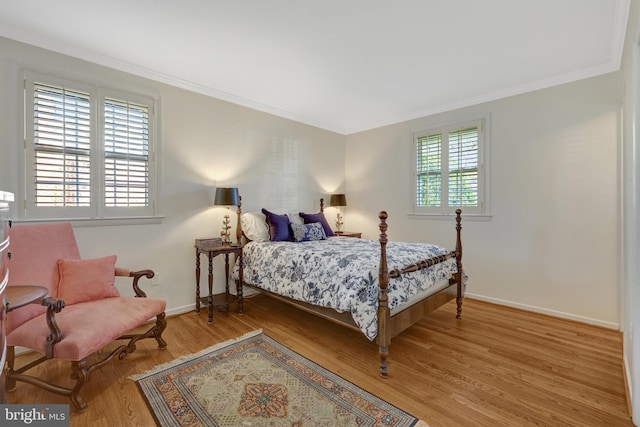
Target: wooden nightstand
348	234
222	299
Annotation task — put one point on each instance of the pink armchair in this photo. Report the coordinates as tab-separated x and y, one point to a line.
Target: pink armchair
83	312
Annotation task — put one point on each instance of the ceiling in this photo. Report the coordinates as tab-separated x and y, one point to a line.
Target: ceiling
341	65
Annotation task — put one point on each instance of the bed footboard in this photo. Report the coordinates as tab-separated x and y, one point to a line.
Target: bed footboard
389	326
384	330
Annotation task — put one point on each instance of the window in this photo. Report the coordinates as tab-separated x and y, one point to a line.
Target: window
450	169
89	151
126	153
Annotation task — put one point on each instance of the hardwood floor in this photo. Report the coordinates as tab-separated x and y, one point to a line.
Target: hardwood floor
495	367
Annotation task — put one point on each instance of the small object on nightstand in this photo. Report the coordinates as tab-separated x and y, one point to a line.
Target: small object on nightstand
211	249
209	243
348	234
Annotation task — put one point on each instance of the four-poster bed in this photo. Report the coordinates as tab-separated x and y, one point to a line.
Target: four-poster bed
381	303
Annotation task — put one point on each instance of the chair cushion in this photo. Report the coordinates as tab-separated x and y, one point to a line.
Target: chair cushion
87	326
87	279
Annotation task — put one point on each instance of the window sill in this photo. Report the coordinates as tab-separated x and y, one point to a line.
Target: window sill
449	216
98	222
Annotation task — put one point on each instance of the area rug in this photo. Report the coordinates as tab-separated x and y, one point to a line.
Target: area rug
255	381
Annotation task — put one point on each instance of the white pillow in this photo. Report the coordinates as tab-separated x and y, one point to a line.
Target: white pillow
254	226
295	218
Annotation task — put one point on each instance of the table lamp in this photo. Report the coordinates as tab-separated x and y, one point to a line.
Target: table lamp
338	200
226	196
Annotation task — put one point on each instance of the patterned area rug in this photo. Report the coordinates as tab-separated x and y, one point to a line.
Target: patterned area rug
255	381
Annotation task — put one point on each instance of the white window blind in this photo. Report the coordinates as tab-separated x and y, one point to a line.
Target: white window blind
62	147
126	163
463	168
429	165
89	152
448	164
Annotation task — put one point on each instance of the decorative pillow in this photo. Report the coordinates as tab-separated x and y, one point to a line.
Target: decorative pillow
294	218
254	226
307	232
87	279
278	226
317	217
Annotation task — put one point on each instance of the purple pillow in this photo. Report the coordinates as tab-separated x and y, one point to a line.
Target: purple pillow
279	230
317	217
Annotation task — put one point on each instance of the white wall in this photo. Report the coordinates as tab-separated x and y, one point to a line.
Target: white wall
553	240
631	195
206	142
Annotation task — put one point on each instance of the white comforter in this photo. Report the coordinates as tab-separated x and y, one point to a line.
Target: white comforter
341	273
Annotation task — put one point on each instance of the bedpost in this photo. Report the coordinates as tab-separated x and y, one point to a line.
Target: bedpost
239	224
459	274
321	205
384	333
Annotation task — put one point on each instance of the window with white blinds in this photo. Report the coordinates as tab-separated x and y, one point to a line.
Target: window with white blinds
62	146
449	167
126	158
89	152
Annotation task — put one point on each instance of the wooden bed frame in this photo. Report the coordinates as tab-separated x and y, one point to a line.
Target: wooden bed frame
389	325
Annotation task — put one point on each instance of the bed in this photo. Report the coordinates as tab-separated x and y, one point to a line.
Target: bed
377	287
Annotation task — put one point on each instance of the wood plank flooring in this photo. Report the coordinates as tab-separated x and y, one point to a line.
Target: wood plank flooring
495	367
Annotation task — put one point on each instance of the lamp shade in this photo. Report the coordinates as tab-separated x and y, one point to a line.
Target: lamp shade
226	196
338	200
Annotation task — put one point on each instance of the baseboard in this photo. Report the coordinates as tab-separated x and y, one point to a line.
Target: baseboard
627	385
554	313
183	309
247	292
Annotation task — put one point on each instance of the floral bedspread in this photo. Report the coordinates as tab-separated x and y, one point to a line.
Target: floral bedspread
341	273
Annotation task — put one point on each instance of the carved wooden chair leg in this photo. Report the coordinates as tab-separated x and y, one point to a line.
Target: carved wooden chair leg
81	375
155	332
10	383
161	325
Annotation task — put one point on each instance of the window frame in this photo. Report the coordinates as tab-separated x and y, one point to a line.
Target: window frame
483	184
97	210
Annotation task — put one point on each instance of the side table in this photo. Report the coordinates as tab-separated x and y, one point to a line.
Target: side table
222	299
348	234
19	296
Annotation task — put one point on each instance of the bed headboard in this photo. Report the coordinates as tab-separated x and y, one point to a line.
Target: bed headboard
239	224
240	236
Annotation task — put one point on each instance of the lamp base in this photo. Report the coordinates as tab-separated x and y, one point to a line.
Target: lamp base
225	234
339	222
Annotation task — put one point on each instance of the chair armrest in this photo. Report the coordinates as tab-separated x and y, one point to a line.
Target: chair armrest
54	306
137	275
